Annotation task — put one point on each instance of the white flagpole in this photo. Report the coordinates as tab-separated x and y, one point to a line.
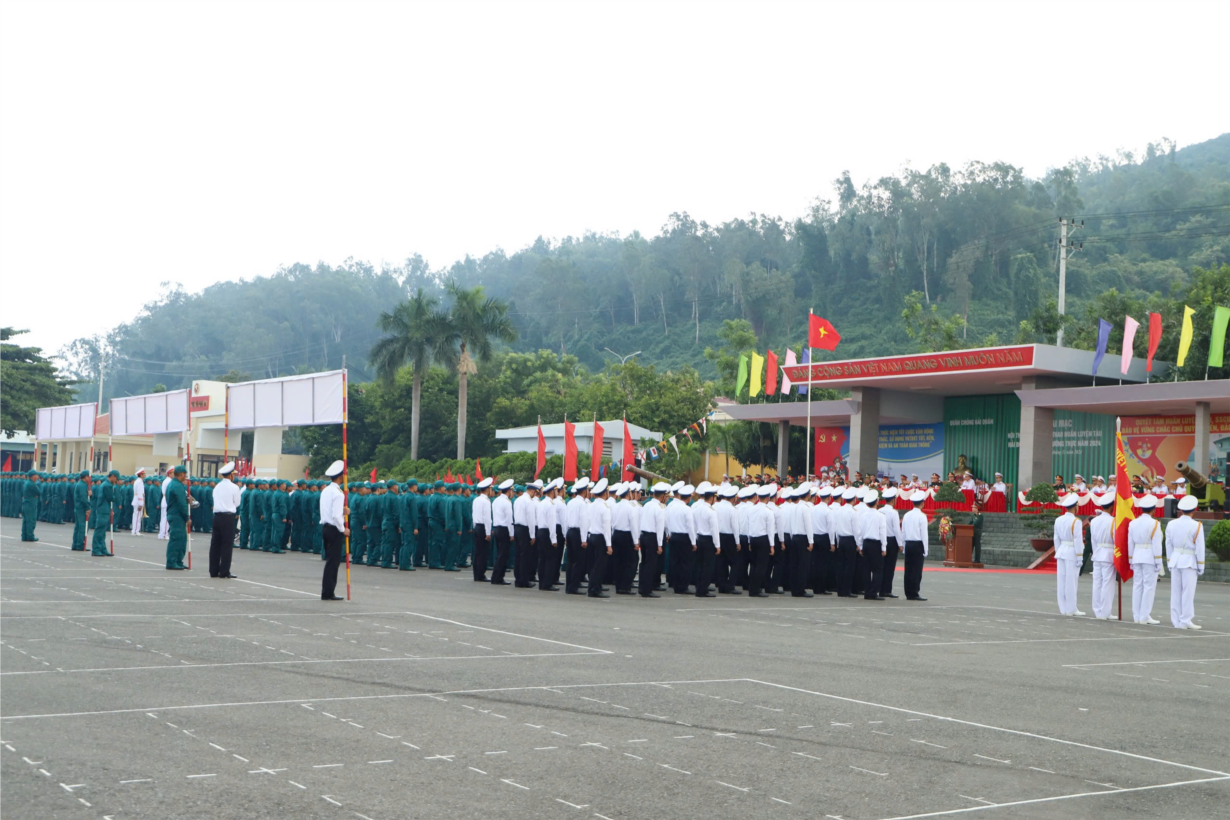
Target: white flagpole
810	356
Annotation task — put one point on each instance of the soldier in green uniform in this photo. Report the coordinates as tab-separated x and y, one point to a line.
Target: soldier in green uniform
207	505
426	490
279	503
153	504
261	524
29	506
316	540
375	523
245	513
408	521
358	522
453	527
104	509
178	516
81	510
123	504
466	502
437	504
390	526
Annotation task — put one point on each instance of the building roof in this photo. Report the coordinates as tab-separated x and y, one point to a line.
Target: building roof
584	429
1156	398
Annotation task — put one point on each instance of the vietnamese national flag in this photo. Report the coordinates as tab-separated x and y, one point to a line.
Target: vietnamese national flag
478	468
770	387
570	451
1124	512
374	475
629	457
596	460
822	334
8	464
542	452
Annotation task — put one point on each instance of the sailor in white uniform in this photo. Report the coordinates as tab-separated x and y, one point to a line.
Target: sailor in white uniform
1069	549
1145	547
1185	552
1102	535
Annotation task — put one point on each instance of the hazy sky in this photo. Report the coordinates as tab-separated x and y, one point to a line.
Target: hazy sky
196	142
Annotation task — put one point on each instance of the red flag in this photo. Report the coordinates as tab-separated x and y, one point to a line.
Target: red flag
629	455
542	451
1155	338
8	464
305	472
596	461
570	452
374	475
1124	512
820	333
478	468
770	386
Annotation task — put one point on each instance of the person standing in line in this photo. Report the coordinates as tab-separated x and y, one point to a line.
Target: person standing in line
708	545
822	544
245	512
316	540
1069	548
576	533
1102	535
422	547
761	526
846	528
1185	551
599	538
561	513
391	526
501	531
480	512
30	498
802	541
226	498
436	513
138	501
652	526
1145	548
409	522
875	538
681	524
81	509
375	522
524	528
728	540
622	544
333	529
745	497
914	539
104	508
544	536
178	517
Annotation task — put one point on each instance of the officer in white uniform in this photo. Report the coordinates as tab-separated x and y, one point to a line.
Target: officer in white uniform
162	525
1069	550
1185	551
138	502
1102	535
1145	548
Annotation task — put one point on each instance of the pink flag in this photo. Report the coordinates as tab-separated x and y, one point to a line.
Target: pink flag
791	361
1129	335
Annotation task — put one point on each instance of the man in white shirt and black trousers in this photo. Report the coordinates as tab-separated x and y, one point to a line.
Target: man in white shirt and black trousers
653	528
501	531
874	533
892	546
576	533
333	529
705	520
222	540
728	545
682	526
544	538
480	514
599	539
914	538
525	527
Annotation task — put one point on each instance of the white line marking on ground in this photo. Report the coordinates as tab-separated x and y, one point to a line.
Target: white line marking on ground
996	759
480	771
737	788
331	800
779	800
673	769
800	754
869	771
511	783
297	785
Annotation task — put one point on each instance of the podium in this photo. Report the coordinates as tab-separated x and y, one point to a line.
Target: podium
961	553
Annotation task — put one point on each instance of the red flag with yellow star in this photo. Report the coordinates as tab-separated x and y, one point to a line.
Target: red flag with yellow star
821	333
1124	512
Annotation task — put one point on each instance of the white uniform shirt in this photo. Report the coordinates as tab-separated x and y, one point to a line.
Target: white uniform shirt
138	494
801	522
501	512
844	522
743	518
544	517
679	520
968	484
704	518
653	519
1185	544
1159	491
892	523
999	487
1180	490
621	516
523	512
333	506
820	524
166	482
1102	534
600	519
561	509
728	518
779	521
576	516
1069	537
874	527
914	528
1145	541
226	497
759	519
480	511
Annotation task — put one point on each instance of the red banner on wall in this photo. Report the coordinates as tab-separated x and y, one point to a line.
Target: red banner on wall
955	361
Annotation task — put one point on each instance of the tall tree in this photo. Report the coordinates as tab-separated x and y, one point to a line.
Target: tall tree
418	333
30	382
476	323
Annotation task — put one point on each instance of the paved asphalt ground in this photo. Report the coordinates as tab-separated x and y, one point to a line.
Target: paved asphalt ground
133	692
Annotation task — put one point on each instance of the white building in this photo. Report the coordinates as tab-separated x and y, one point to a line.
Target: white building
525	439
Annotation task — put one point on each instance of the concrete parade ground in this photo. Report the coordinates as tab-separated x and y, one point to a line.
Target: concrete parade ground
132	692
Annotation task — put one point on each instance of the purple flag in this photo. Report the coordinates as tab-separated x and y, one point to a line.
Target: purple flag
1103	340
805	360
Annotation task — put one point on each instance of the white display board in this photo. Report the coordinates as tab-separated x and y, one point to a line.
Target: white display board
150	414
294	401
67	421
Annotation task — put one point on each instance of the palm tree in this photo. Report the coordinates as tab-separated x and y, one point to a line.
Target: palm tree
476	323
418	334
724	437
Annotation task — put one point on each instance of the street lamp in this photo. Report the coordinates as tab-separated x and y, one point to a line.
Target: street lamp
622	359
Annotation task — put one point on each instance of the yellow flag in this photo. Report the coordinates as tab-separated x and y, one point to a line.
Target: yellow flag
1185	338
758	367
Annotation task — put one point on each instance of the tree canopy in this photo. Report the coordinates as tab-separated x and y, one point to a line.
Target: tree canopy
30	382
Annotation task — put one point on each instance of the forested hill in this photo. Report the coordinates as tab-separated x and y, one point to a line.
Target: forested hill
977	242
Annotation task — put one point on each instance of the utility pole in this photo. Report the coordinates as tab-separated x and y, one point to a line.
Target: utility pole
1066	246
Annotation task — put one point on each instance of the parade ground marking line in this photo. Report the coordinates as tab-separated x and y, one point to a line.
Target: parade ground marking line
1142	663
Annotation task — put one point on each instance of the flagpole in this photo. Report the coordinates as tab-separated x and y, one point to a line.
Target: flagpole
345	475
111	525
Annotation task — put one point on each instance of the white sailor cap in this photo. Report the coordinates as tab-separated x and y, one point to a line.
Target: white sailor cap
620	489
536	484
582	483
677	486
1001	475
705	488
600	487
1104	500
826	492
1188	503
755	488
1078	475
849	494
871	496
1180	480
230	464
889	492
485	483
225	469
765	492
727	491
335	469
1146	502
918	497
1069	500
506	484
661	487
686	490
745	492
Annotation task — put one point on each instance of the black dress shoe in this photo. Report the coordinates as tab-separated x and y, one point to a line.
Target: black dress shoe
483	580
228	576
705	595
890	595
623	592
573	591
760	595
650	595
601	595
731	592
916	598
873	597
500	583
804	595
333	598
548	589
